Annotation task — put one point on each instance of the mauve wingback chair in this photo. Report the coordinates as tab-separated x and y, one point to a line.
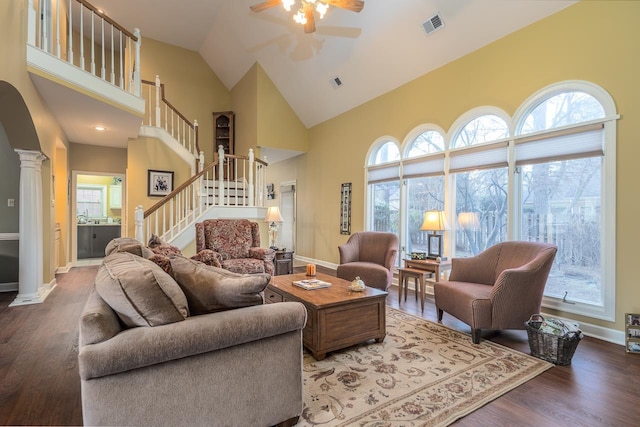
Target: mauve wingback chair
500	288
370	255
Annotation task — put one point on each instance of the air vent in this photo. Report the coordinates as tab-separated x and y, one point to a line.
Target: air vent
336	82
433	24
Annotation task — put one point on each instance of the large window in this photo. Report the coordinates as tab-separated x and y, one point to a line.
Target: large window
545	175
91	201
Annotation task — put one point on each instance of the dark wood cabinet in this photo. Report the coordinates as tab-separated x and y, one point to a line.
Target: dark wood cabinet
283	263
223	131
93	239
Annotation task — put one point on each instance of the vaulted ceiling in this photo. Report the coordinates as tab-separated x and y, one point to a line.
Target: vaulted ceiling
371	52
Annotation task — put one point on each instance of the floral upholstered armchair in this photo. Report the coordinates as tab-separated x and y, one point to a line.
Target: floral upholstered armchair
237	241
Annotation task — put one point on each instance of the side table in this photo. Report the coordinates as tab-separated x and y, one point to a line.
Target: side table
283	262
429	265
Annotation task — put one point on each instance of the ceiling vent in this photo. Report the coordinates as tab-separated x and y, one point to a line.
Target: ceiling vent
433	24
336	82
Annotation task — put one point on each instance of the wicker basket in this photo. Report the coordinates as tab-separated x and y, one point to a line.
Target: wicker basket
557	349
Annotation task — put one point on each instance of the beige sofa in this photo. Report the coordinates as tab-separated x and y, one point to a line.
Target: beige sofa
234	367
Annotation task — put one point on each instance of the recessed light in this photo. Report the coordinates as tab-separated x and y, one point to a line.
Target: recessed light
100	128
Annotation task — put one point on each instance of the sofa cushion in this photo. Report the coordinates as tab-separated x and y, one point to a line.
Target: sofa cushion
210	289
127	244
139	291
98	321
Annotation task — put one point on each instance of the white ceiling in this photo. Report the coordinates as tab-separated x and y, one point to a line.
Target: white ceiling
372	52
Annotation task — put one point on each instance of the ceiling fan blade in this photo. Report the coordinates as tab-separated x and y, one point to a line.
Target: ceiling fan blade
352	5
309	13
265	5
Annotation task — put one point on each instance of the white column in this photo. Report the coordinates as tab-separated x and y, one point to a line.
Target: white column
30	270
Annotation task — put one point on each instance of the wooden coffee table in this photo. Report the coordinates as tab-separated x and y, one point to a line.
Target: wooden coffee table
336	316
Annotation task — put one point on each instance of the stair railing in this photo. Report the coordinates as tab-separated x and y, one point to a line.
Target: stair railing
161	113
230	180
113	51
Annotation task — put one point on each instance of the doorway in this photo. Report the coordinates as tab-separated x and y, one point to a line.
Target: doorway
98	214
288	211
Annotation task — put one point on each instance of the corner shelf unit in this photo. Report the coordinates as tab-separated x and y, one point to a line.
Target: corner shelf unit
223	131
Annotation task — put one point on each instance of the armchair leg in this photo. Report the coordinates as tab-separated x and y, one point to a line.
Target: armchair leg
440	313
475	336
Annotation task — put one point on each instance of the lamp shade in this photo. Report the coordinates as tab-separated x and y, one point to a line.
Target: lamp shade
273	215
469	221
434	221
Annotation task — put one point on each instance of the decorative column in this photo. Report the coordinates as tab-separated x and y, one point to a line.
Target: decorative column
30	268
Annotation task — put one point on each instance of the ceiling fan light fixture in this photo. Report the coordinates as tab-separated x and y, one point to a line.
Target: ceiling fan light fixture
300	18
322	8
287	4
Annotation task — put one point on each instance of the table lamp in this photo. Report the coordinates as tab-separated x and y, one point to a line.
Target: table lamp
273	217
435	222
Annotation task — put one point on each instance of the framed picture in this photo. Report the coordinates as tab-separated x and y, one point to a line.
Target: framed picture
632	333
345	208
159	183
434	246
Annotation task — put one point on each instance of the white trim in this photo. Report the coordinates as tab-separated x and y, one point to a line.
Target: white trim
471	115
35	298
9	236
316	261
9	287
416	132
373	149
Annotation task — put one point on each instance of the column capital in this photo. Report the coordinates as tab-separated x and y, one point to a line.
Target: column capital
30	158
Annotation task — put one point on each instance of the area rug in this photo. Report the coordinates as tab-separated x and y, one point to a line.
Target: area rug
423	374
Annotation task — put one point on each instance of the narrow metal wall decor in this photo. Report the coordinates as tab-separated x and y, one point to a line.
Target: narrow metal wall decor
345	209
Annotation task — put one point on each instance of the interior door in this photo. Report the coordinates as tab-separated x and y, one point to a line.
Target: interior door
287	236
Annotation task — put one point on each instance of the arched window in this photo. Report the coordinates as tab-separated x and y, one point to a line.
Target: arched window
383	179
479	167
560	159
428	142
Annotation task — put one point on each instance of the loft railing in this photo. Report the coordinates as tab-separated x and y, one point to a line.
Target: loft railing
230	180
77	32
161	113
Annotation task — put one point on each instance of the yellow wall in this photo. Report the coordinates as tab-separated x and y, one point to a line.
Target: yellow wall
570	45
190	86
244	103
278	125
62	201
145	154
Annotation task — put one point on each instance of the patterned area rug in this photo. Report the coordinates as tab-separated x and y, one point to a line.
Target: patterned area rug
423	374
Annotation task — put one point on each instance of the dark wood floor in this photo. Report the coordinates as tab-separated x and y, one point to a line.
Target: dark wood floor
39	383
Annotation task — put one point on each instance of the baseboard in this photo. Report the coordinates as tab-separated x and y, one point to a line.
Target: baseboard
9	287
64	269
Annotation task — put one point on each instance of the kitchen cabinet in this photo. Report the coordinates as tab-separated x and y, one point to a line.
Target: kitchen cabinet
93	239
115	197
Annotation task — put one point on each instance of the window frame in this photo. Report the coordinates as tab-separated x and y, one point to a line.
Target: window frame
514	220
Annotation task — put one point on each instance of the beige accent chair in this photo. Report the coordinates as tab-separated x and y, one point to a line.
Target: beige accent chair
370	255
500	288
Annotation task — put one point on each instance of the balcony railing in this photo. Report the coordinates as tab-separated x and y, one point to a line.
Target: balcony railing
162	114
78	33
229	180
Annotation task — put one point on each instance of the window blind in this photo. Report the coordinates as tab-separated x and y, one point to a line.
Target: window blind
423	166
385	172
578	142
489	156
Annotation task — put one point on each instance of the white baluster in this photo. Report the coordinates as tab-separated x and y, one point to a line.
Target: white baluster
58	52
158	122
220	175
121	84
103	70
139	218
136	63
113	61
32	23
251	189
70	41
44	30
93	44
81	39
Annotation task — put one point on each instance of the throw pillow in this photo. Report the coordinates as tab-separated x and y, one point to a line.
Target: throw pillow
126	244
139	291
209	289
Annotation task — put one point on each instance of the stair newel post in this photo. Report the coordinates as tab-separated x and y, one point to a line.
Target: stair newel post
139	217
136	64
251	178
220	175
158	123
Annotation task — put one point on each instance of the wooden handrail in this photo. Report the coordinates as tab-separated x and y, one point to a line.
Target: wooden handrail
181	187
106	18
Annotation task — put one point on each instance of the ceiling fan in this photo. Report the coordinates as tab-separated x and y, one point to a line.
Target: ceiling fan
308	8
